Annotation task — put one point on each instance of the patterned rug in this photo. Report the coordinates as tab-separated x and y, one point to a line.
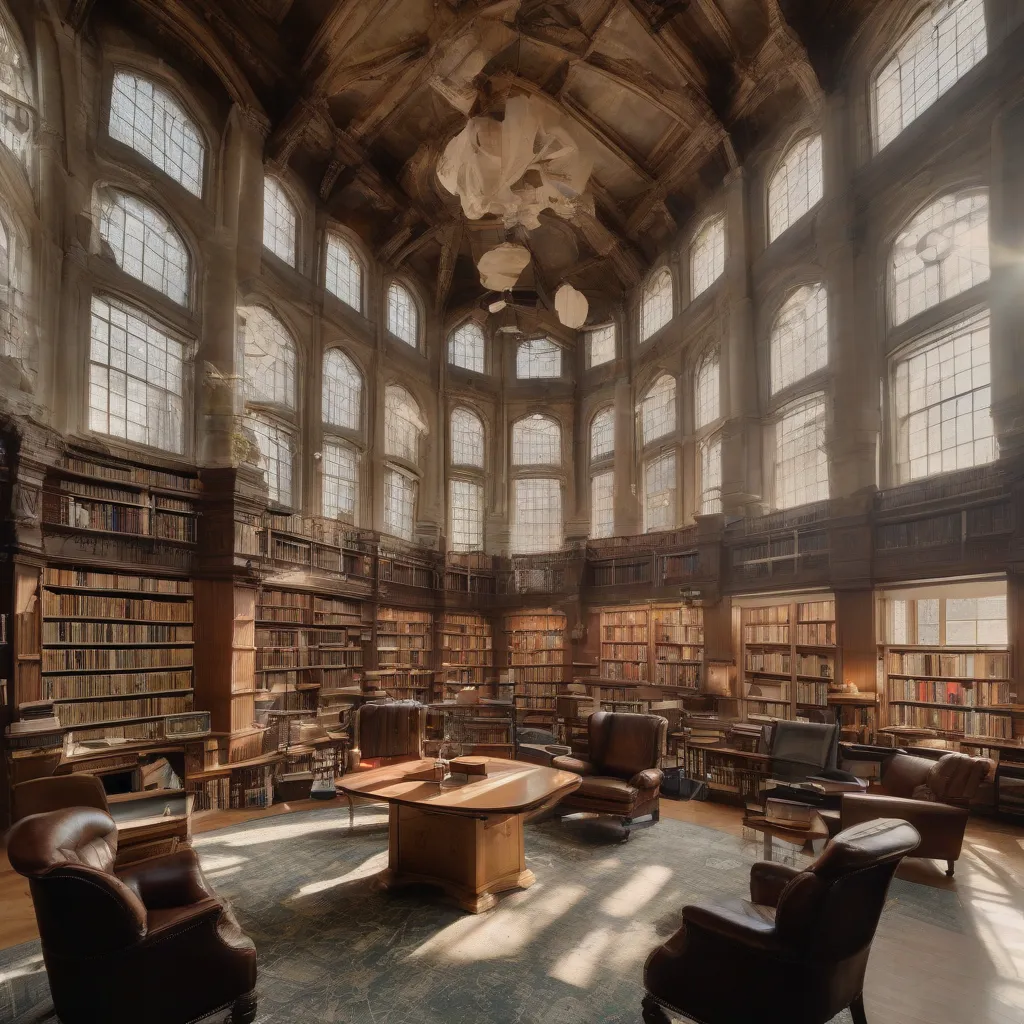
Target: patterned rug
569	950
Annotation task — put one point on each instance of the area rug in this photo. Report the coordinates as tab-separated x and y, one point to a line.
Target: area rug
569	950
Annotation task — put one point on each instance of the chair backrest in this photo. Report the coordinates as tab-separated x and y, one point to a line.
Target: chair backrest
831	910
82	907
392	730
799	749
623	744
953	779
55	792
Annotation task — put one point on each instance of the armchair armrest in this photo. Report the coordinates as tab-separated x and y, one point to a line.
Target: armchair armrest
174	880
768	879
860	807
573	764
649	778
731	922
167	924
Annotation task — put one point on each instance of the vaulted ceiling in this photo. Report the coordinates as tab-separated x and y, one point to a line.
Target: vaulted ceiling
364	95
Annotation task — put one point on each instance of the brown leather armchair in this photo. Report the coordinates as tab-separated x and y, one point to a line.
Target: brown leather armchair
147	942
798	949
622	776
932	795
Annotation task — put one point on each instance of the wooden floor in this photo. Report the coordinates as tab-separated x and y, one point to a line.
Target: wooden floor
973	976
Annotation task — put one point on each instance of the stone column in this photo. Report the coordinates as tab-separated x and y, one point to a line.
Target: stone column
741	430
628	520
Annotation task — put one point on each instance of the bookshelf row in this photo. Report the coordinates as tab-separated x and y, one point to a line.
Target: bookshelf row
660	644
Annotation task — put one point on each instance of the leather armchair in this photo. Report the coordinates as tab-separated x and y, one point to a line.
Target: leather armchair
932	795
800	749
622	776
146	942
796	952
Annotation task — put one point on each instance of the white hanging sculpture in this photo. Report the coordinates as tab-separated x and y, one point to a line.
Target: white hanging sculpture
501	266
517	167
571	306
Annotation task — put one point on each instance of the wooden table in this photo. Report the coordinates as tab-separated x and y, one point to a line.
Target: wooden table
466	838
817	834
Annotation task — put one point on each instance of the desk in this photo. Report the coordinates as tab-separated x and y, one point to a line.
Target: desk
465	838
816	835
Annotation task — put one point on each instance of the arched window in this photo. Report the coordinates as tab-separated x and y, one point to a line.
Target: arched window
706	389
467	438
602	434
279	221
146	117
340	480
941	47
466	514
403	315
16	107
799	343
801	460
656	304
268	381
601	345
269	361
145	245
602	504
707	256
403	424
344	272
466	347
711	475
796	185
536	441
658	409
12	336
942	252
400	493
536	515
136	377
342	391
661	494
538	358
943	397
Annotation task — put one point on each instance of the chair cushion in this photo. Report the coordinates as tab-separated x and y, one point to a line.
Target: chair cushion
625	744
955	778
603	787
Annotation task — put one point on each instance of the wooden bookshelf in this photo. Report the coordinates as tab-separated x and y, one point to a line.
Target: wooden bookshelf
405	653
467	655
625	644
535	643
677	638
790	657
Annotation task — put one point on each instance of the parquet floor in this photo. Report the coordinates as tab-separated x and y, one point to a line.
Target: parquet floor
974	975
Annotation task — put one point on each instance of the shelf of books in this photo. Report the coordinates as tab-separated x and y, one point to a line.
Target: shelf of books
625	644
405	653
535	642
790	656
946	663
467	655
678	641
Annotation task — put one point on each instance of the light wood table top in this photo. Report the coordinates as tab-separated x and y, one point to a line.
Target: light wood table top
510	787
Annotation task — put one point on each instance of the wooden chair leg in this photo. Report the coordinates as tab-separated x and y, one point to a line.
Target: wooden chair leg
351	811
950	867
654	1012
244	1009
857	1010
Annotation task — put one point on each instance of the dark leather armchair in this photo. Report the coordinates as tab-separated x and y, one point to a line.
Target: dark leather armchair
800	749
147	942
623	776
932	795
796	953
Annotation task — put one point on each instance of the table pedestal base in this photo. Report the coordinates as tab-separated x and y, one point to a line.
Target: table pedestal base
468	858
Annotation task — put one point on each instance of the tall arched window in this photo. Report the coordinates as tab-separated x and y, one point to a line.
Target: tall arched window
707	256
538	358
344	272
146	117
602	434
942	252
341	403
801	459
145	245
658	409
13	341
16	107
136	377
466	489
466	347
945	42
467	439
601	345
268	379
661	493
799	342
342	391
710	454
280	221
796	185
707	403
656	304
536	515
403	426
401	489
536	441
403	315
706	399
